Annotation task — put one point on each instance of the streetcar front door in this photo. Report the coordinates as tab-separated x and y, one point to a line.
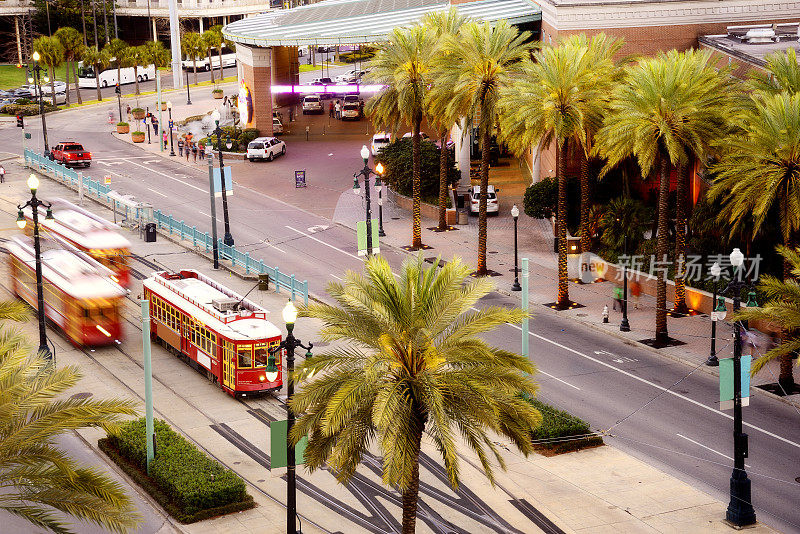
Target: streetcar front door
228	365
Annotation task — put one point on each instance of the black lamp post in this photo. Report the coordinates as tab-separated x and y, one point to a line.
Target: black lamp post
718	313
515	286
289	345
171	148
379	187
624	325
188	98
37	78
366	172
34	203
228	238
740	509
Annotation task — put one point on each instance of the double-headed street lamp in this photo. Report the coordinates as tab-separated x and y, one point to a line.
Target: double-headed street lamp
515	286
289	345
169	108
35	76
188	98
228	238
718	312
34	203
366	172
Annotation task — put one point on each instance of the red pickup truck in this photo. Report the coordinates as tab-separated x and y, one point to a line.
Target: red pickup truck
70	153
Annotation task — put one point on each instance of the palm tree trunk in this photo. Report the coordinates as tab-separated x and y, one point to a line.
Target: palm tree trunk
411	493
136	77
194	64
662	243
443	182
416	173
52	70
97	79
586	194
221	66
680	238
785	374
77	87
211	67
486	140
66	80
561	224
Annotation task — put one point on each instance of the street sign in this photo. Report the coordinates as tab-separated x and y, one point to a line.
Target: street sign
726	382
218	182
300	178
107	180
170	124
361	233
277	446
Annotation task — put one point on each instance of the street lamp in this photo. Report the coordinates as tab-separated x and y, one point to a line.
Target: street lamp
289	345
515	286
379	187
366	172
718	312
624	325
34	203
171	148
188	98
228	239
740	509
36	77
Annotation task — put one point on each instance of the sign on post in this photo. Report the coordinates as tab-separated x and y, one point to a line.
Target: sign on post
300	178
218	182
726	382
277	446
361	233
107	180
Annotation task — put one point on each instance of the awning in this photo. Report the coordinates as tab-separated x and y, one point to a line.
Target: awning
335	22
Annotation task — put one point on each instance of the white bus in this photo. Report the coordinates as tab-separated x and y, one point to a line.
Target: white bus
228	60
108	78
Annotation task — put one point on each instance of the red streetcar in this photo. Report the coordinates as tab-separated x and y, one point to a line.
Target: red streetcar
214	327
79	293
88	232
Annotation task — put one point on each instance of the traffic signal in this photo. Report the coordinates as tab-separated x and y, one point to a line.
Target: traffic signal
116	89
20	123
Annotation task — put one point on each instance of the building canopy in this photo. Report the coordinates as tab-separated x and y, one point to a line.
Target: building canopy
335	22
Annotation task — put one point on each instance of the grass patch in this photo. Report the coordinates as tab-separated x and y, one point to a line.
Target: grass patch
11	77
561	431
189	485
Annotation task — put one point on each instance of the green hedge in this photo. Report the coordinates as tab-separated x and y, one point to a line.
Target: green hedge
558	424
191	482
26	109
240	138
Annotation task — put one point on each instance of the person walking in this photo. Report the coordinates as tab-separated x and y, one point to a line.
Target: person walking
188	149
636	291
194	152
130	117
617	298
338	110
201	149
180	146
164	135
2	174
330	109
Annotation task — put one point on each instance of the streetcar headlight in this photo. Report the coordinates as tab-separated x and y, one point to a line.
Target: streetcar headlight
103	330
262	378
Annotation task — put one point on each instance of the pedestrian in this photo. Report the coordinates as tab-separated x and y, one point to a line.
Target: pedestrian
338	110
617	297
201	149
130	116
330	109
154	122
194	152
636	291
180	146
361	107
164	135
2	174
188	150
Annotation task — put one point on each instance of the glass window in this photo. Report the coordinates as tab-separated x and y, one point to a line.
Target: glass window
245	356
261	355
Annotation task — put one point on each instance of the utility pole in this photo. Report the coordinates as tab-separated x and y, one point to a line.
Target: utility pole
175	44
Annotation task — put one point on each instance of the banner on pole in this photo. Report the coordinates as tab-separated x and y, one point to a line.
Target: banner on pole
278	447
218	182
726	382
361	234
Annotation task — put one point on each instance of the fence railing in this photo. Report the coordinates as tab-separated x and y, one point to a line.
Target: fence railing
91	187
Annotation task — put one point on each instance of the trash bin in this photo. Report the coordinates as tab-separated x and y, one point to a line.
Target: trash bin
463	216
150	233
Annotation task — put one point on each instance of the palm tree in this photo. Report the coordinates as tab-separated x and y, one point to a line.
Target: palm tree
136	56
212	40
37	476
413	362
561	97
402	65
442	23
478	63
99	60
193	48
52	55
782	73
72	42
669	108
761	168
157	54
116	50
624	221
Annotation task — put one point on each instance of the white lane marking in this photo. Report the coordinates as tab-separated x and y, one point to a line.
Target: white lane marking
156	192
556	378
204	213
707	448
656	386
323	242
168	176
317	227
333	275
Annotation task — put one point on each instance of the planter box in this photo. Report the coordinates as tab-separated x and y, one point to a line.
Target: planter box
219	95
123	129
137	137
451	216
140	114
163	106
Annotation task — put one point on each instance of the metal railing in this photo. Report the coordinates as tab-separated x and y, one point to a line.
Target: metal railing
166	222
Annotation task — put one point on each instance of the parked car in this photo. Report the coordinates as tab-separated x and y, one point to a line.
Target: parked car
492	206
351	99
379	141
277	126
422	135
267	148
321	81
312	104
70	153
350	76
351	111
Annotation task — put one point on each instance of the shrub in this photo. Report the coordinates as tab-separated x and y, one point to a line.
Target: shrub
239	138
137	110
26	109
396	158
137	132
184	474
217	90
557	425
541	199
122	124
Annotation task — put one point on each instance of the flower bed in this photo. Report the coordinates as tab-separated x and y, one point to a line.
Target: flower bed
561	431
187	483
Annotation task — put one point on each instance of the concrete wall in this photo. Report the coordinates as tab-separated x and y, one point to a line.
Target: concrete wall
285	71
255	69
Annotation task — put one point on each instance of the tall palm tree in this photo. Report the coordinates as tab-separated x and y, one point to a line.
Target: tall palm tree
212	40
72	42
669	108
99	60
157	54
782	73
560	98
402	64
37	476
477	64
412	362
442	23
761	168
220	42
192	47
136	56
52	54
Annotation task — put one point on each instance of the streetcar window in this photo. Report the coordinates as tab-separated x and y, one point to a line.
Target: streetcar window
245	353
86	312
261	355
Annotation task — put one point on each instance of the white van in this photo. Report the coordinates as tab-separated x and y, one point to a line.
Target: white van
267	148
312	104
108	78
228	60
379	141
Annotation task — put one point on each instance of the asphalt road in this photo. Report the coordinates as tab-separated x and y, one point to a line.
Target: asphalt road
606	381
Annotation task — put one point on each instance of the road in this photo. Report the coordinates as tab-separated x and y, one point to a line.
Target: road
656	409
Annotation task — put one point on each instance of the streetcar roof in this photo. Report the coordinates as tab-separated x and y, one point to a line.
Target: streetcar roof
80	228
67	269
